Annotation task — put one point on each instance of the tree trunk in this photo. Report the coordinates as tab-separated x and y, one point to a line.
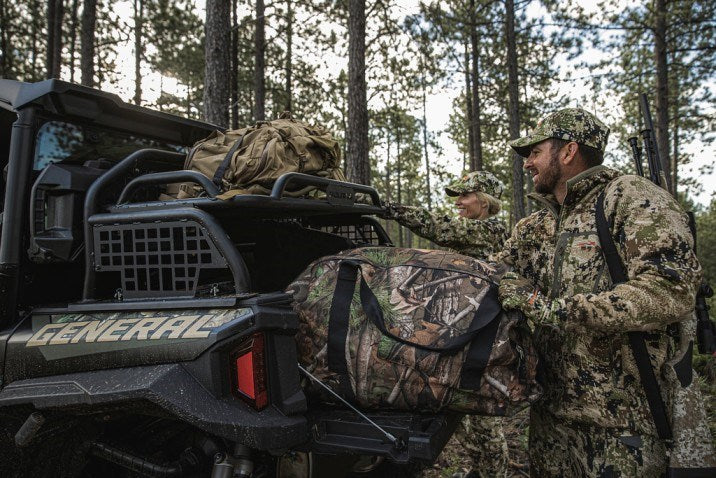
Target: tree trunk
399	171
513	113
260	63
388	195
662	89
425	151
138	50
358	166
73	39
468	110
216	87
675	161
234	66
89	20
55	12
34	52
5	65
476	165
289	55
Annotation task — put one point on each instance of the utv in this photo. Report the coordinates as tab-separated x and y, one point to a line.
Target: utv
142	336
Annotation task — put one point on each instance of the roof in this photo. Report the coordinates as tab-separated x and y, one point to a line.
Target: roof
66	99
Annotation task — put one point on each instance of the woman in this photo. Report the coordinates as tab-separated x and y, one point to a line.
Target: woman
476	232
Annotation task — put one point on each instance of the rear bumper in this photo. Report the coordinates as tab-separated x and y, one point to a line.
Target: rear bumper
173	389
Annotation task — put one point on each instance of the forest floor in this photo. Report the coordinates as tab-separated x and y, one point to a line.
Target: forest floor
455	459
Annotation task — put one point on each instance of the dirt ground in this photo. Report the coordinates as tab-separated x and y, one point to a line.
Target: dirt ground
454	459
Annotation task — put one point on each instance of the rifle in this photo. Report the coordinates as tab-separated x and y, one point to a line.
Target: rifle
705	328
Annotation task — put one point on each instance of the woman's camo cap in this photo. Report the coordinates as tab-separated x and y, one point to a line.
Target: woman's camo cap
476	181
570	124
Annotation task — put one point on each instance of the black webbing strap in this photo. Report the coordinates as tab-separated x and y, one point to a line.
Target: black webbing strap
481	332
219	174
372	310
636	339
481	347
338	327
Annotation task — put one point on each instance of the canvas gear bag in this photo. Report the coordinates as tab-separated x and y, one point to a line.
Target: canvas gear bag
683	425
413	329
249	160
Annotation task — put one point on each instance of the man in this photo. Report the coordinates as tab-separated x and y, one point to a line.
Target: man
594	419
477	203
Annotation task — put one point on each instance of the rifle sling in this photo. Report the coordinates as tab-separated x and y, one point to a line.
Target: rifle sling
636	339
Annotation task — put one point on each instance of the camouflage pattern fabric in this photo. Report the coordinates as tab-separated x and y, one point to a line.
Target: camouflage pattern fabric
427	297
578	449
467	236
483	436
590	375
569	124
476	181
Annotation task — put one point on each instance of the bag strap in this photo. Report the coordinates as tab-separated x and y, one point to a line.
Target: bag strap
219	174
338	323
637	340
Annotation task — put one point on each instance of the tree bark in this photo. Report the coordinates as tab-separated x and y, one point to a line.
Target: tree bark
138	50
425	150
260	63
5	64
89	21
662	89
234	66
289	55
216	84
468	109
55	12
518	202
476	164
358	165
73	38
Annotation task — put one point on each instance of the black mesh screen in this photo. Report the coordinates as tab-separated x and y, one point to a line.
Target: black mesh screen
360	235
156	259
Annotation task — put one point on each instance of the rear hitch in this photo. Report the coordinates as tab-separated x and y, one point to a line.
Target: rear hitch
237	465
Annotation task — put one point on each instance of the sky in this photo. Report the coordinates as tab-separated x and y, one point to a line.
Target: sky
439	102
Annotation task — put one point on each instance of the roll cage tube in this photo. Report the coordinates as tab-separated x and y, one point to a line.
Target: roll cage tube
15	211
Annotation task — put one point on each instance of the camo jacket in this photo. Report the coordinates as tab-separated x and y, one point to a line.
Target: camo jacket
472	237
590	374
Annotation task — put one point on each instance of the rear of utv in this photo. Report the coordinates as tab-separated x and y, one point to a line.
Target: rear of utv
142	335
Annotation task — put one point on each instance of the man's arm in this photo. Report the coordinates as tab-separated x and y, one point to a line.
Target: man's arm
656	247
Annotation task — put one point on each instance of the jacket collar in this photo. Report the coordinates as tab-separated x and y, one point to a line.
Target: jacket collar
577	187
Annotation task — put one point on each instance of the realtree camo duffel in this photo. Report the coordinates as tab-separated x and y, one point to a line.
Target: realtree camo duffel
413	330
249	160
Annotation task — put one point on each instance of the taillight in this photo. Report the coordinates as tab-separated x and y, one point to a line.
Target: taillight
248	365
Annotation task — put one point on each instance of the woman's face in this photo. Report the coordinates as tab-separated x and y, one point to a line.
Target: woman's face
470	207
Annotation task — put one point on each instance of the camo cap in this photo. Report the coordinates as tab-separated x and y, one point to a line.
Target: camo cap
476	181
569	124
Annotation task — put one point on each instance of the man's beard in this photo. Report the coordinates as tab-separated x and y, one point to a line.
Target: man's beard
549	178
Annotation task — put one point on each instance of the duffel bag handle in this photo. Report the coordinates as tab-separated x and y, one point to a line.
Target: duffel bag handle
347	273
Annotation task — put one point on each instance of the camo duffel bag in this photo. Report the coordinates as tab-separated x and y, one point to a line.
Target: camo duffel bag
413	330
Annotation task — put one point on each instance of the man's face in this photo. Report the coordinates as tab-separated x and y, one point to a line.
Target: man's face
470	207
544	166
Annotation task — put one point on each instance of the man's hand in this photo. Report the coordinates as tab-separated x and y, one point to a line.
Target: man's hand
519	293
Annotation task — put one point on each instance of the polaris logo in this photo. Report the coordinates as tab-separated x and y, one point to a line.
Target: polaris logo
340	195
97	331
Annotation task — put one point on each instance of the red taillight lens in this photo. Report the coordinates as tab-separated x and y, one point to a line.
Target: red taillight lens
249	378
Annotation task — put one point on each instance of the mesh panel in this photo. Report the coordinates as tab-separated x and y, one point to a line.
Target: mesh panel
156	259
361	235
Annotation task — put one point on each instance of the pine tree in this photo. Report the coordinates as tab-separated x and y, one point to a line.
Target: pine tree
216	87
